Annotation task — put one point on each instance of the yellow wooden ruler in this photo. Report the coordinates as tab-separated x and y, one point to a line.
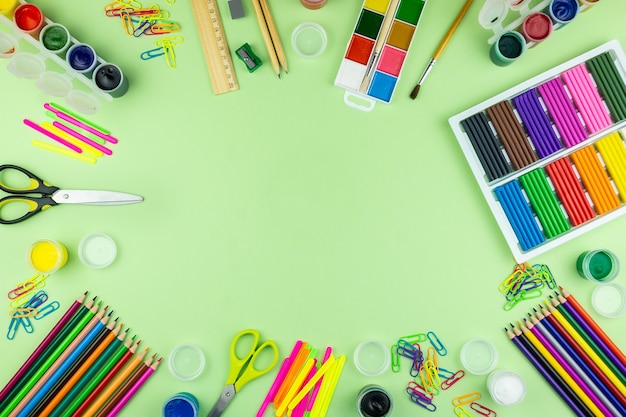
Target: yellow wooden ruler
215	46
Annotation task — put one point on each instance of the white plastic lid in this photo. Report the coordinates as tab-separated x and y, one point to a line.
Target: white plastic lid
479	356
8	45
609	300
97	250
309	39
83	102
506	387
186	362
372	357
26	65
54	83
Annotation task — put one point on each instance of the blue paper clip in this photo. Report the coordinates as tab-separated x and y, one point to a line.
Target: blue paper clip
444	373
38	299
47	310
416	365
143	27
408	350
14	325
439	347
423	402
152	53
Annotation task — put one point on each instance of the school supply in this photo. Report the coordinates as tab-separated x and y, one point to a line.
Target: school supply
215	46
270	36
50	196
377	50
242	368
526	282
441	47
579	361
569	123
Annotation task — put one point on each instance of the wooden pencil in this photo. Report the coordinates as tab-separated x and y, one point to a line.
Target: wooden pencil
271	26
133	390
267	37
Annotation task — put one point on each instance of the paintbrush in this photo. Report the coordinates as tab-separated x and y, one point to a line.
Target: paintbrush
441	47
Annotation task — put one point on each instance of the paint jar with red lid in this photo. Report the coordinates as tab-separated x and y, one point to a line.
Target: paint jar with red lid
29	19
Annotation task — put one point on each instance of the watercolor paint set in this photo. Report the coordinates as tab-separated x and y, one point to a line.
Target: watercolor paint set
377	50
518	25
549	154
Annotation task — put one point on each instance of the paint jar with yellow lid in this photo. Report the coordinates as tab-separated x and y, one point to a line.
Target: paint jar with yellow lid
47	256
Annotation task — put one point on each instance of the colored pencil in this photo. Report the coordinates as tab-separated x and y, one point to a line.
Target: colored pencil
441	47
267	37
64	360
49	360
602	352
133	390
45	343
591	322
115	383
112	353
103	377
126	386
567	377
571	367
610	385
553	379
596	383
75	376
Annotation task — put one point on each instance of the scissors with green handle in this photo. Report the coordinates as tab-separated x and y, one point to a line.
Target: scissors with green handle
27	206
242	369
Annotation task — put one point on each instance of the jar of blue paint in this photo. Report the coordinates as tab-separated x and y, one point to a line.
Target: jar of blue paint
182	404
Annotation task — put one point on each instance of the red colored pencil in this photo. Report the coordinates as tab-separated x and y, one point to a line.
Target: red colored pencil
44	344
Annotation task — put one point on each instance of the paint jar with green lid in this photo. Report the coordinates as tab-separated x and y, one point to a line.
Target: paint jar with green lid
599	266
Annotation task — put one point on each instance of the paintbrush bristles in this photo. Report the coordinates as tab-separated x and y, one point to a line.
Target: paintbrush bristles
415	91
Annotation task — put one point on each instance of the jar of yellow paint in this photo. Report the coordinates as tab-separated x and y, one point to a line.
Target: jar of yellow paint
47	256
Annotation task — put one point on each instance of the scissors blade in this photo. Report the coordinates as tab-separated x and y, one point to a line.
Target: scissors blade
95	197
227	395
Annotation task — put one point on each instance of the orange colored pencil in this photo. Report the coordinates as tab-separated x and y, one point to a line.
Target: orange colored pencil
81	371
115	384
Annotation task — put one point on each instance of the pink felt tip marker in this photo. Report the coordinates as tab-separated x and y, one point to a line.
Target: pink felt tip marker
81	137
51	135
80	124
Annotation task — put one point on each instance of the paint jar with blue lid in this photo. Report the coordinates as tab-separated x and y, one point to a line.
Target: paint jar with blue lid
82	58
182	404
562	11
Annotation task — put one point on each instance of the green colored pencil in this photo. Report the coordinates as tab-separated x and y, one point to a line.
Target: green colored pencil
111	354
48	362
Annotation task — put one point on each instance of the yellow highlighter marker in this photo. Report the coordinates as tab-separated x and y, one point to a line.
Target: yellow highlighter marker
82	145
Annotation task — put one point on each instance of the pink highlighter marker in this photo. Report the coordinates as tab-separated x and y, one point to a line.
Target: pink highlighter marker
81	137
51	135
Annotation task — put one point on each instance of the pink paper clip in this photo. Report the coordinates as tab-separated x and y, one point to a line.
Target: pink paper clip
21	290
415	388
453	379
482	410
423	402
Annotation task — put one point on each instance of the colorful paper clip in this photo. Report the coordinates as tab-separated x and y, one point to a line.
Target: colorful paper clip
461	412
447	383
415	338
445	373
395	359
466	398
423	402
414	387
38	299
23	312
21	290
14	325
482	410
407	349
47	310
436	343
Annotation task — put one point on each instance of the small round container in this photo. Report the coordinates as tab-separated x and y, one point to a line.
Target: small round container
97	250
537	27
29	19
8	45
507	48
54	83
516	5
479	356
26	65
7	7
609	300
563	11
110	79
506	387
46	256
492	14
372	357
313	4
599	266
308	39
55	38
374	401
186	362
182	404
82	58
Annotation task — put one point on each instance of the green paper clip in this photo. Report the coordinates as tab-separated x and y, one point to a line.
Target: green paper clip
248	57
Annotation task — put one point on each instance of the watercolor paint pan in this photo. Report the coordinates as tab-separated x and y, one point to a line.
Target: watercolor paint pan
377	50
551	191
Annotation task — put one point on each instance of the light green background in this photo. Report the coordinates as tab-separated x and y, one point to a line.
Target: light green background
277	207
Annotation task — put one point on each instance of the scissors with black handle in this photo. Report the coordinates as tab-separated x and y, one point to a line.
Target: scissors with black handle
49	196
